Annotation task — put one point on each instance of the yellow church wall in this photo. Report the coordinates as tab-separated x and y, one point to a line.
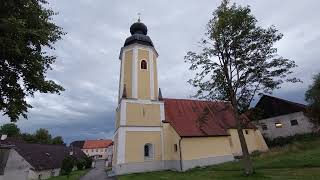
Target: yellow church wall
127	78
170	137
135	141
143	75
254	141
142	114
204	147
155	76
115	149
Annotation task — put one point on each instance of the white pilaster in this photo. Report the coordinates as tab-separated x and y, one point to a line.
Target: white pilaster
135	73
121	145
162	115
151	74
123	113
121	75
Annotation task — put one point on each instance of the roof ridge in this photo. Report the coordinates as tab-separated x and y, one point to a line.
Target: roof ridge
203	100
291	102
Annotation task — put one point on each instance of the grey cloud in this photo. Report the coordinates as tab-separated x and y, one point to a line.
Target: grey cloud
87	58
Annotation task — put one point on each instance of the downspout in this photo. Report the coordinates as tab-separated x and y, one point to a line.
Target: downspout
180	154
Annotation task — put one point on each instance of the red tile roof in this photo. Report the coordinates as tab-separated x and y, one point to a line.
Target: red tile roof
192	118
102	143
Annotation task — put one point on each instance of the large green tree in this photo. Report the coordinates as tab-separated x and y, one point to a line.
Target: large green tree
10	129
237	61
57	140
313	98
43	136
26	35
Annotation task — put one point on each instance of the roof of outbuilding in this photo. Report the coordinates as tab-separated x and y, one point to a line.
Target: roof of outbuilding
101	143
78	144
272	106
44	156
198	118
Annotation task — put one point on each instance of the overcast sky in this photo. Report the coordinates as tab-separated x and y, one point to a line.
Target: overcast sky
87	63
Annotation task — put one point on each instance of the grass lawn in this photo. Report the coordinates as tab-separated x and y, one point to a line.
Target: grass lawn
300	160
75	175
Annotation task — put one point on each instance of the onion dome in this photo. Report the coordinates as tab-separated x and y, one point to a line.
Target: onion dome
139	35
138	28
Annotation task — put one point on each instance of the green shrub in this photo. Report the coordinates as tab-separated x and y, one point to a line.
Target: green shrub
81	163
282	141
88	162
255	153
67	165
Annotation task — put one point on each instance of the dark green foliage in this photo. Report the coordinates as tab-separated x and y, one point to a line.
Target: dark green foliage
40	136
282	141
27	35
67	165
313	98
10	129
57	140
43	136
88	162
81	163
29	138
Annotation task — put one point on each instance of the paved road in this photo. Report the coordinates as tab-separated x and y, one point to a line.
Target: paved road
97	173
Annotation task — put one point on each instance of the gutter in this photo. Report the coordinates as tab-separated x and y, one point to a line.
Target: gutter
180	153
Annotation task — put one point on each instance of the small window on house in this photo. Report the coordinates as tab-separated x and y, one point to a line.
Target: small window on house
101	150
247	132
278	125
175	147
264	127
52	173
148	151
143	64
40	176
92	150
294	122
106	150
97	150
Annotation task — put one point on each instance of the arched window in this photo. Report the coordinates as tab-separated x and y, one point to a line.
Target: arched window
148	151
143	64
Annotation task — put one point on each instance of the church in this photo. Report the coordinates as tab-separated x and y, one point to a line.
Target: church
155	133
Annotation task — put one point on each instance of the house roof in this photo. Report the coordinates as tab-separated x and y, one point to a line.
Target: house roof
44	156
198	118
78	144
101	143
272	106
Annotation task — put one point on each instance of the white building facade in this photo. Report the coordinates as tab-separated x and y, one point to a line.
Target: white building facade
285	125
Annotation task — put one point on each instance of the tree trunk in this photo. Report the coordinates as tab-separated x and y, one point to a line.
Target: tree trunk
248	168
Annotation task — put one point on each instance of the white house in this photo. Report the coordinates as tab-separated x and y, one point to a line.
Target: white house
26	161
281	118
97	149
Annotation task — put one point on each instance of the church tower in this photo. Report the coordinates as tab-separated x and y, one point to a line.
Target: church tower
138	141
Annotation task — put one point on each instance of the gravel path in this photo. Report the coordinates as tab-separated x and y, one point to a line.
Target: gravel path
97	173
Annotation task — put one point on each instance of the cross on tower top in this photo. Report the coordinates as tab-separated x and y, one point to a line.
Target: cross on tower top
139	19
